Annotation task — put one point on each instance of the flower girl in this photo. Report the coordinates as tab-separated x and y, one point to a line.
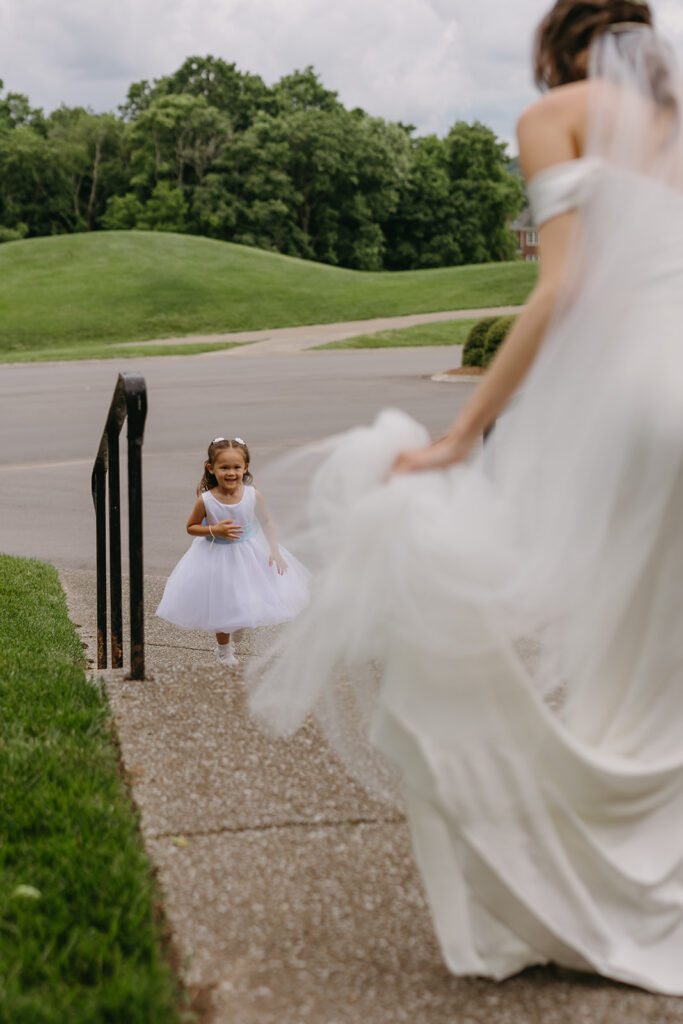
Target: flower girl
234	575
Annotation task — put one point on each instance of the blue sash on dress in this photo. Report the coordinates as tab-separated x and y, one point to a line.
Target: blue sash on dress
248	530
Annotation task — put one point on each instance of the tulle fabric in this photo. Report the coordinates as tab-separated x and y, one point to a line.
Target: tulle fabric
501	641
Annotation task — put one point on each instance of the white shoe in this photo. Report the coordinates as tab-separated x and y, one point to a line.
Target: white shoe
225	654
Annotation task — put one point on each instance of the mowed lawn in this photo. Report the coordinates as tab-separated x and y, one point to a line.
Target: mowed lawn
80	935
75	296
448	332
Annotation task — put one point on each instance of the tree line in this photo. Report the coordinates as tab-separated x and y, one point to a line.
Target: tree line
214	151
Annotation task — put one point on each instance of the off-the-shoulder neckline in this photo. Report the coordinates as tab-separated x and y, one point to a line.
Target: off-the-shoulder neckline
562	165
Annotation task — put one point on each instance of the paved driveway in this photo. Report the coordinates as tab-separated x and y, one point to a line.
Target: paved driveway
52	415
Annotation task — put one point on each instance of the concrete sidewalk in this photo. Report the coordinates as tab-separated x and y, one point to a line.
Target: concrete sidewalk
292	896
291	340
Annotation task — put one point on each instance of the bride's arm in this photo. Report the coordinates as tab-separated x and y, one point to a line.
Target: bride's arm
514	358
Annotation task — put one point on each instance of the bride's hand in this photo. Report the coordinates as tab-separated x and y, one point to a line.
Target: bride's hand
442	453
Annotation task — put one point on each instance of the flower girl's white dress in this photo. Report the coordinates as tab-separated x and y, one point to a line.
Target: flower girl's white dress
220	585
524	613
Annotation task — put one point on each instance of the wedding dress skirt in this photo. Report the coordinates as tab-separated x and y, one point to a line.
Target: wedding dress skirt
509	633
542	833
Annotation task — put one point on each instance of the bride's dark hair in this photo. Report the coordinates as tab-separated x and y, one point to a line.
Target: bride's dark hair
567	31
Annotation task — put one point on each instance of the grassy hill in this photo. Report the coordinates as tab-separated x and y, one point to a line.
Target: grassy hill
73	295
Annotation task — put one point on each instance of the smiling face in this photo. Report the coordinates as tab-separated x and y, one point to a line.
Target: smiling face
228	467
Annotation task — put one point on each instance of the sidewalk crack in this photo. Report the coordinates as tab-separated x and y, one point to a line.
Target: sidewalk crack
244	829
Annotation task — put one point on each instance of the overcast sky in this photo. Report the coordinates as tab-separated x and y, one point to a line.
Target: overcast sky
423	62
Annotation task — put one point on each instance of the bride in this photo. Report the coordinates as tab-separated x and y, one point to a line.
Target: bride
505	627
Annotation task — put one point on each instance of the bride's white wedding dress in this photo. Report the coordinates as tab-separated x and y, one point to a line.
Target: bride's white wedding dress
524	614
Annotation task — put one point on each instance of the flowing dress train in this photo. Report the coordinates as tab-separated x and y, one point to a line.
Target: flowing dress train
509	633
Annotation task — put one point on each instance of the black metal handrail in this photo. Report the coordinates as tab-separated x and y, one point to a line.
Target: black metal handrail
129	400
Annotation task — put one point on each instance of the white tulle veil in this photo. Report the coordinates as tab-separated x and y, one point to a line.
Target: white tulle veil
536	547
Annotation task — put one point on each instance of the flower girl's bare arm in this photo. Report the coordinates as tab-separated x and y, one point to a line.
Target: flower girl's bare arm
226	529
268	527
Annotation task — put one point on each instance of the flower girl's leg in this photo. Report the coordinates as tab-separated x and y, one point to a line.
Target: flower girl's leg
225	653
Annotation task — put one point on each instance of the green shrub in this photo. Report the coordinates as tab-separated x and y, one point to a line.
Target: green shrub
13	234
122	212
473	352
495	336
164	211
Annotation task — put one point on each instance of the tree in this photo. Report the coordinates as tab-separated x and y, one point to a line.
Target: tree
211	149
31	184
56	172
87	148
175	139
378	163
456	203
423	230
310	182
165	210
122	212
303	90
240	96
486	195
16	111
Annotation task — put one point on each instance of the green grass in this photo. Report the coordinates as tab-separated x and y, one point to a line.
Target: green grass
100	351
83	946
83	293
449	332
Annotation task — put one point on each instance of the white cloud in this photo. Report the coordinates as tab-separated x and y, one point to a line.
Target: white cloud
427	62
407	60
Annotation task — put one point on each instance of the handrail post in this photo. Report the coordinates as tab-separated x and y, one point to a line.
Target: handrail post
137	412
129	401
115	547
99	489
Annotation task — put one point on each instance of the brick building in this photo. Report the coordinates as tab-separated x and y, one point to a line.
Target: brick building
527	235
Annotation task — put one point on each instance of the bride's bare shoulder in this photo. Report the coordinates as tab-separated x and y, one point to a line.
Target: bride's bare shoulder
552	129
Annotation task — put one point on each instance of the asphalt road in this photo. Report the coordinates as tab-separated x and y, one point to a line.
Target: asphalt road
52	416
